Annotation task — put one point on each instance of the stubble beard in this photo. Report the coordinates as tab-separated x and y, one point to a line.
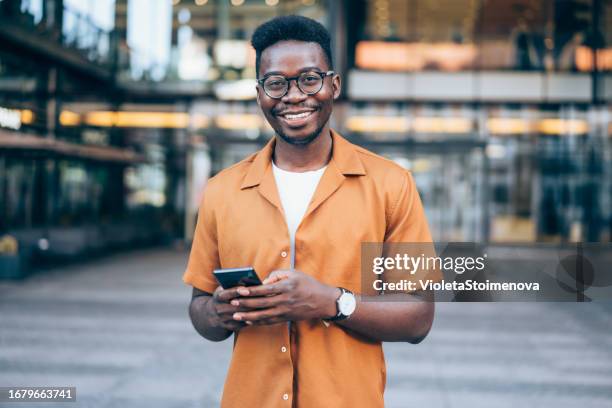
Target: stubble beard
301	141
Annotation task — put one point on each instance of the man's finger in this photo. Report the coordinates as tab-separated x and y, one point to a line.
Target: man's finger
264	302
228	309
267	322
265	290
258	315
226	295
276	276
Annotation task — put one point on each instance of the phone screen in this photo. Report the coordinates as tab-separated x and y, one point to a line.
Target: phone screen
228	278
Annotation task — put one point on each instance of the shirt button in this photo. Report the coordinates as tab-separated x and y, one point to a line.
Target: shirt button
284	254
284	349
285	397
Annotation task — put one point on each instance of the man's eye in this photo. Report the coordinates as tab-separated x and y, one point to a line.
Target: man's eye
276	82
311	78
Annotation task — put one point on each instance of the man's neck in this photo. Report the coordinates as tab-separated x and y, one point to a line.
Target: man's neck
301	158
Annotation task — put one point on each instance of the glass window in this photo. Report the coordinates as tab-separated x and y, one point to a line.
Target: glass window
199	40
17	193
453	35
87	25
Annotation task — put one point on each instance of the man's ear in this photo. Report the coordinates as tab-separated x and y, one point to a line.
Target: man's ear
337	86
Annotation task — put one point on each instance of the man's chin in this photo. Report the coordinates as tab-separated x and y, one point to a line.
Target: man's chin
299	140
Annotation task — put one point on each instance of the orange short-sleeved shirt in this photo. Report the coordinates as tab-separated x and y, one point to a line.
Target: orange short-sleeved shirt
361	197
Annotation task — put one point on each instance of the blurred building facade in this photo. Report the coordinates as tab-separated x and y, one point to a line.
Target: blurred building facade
113	113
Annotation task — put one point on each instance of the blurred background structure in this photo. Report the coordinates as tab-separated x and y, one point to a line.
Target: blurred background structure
113	113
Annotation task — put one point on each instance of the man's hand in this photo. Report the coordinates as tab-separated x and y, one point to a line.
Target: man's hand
285	295
220	309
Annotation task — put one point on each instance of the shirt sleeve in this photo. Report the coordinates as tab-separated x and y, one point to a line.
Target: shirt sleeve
204	256
408	234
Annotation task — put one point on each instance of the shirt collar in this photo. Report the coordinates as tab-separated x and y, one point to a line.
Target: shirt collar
344	156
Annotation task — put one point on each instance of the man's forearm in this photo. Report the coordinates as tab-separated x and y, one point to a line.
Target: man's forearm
201	318
400	317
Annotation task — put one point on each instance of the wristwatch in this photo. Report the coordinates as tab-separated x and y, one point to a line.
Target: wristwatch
345	305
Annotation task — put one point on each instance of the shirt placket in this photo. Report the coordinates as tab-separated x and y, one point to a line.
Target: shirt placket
288	348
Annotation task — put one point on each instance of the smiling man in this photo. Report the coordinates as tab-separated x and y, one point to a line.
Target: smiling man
297	211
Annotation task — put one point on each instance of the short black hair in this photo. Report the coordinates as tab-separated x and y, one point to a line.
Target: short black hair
286	28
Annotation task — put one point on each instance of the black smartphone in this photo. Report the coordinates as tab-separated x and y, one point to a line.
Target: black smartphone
228	278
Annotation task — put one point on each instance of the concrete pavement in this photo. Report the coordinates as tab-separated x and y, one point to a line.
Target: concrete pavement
117	329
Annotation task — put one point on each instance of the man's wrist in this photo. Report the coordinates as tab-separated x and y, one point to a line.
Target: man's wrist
331	308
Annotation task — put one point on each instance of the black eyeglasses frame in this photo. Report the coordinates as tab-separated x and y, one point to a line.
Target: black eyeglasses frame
295	78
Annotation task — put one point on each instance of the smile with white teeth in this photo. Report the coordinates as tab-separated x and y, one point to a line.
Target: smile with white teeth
292	116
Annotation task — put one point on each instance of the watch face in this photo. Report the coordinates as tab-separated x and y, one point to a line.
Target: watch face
347	304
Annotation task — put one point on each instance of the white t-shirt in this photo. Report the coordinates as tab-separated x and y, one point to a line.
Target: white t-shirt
295	191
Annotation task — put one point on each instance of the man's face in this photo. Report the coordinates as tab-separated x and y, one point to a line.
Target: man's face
290	59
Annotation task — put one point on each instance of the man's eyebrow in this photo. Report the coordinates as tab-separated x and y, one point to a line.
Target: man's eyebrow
301	70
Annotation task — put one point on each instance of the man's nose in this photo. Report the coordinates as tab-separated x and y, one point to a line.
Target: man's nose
294	94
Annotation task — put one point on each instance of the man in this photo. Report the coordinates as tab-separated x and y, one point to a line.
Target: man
298	211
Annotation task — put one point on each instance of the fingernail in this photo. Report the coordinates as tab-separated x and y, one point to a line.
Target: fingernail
235	302
237	316
249	323
243	291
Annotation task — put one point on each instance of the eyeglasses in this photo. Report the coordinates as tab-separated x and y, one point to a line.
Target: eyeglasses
309	82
